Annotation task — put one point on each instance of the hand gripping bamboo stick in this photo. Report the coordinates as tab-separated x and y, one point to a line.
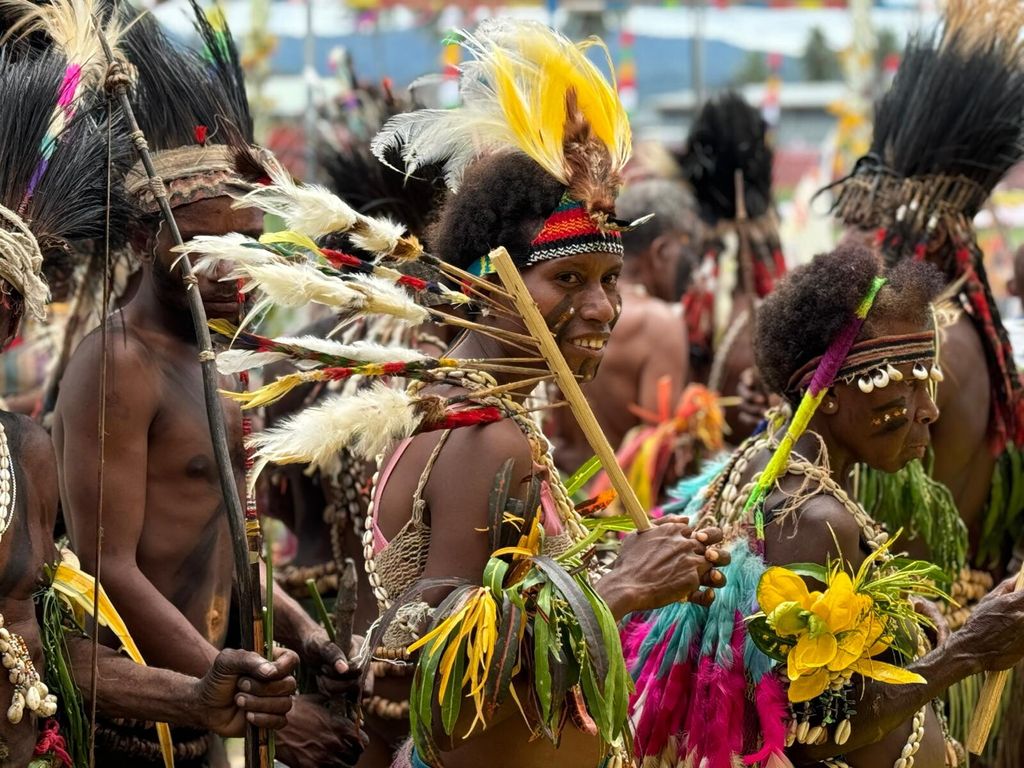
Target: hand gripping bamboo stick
988	701
566	381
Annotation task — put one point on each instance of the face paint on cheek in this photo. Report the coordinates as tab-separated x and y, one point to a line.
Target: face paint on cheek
891	421
617	315
558	318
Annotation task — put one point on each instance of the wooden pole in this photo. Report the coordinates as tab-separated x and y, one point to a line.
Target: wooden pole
988	701
566	381
246	551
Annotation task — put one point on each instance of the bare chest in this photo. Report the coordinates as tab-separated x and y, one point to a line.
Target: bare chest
184	494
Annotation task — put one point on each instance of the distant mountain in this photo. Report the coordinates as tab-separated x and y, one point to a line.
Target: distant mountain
663	64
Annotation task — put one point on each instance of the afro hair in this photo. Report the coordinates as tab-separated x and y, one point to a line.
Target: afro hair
799	320
503	200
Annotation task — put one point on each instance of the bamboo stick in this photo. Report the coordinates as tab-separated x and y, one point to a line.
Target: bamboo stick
570	387
991	695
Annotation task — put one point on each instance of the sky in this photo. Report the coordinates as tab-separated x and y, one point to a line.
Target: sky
777	31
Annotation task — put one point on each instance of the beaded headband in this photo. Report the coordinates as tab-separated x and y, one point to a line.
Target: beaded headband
568	231
872	363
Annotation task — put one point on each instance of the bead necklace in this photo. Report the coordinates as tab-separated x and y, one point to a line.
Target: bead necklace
29	690
540	447
8	484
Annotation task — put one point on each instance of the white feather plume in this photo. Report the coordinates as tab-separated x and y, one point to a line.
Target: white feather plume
233	247
292	285
386	298
378	236
315	211
296	285
232	361
307	208
365	351
367	423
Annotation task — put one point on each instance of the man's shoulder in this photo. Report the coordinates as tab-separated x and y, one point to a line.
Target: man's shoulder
126	352
31	440
131	373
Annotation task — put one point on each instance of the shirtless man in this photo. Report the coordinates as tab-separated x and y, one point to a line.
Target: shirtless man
649	342
168	559
60	210
238	686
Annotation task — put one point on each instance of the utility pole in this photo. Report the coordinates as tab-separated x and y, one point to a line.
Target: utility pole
697	10
309	71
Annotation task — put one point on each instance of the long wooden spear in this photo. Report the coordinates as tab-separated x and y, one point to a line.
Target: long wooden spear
244	534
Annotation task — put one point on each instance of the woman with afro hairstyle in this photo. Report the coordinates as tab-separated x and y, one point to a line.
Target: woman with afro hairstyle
851	347
532	160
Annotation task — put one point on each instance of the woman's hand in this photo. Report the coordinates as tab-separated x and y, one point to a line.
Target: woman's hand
666	564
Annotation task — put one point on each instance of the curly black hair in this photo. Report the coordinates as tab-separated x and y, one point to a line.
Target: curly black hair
799	320
504	200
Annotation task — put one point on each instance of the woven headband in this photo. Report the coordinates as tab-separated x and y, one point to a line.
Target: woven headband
875	360
570	230
190	174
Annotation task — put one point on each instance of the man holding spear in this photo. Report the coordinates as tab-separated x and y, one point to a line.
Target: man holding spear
168	559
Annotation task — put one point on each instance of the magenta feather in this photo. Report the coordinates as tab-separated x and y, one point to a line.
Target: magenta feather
832	360
772	714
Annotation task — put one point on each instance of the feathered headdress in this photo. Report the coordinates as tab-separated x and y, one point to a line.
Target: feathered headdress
530	90
947	131
193	109
728	163
55	149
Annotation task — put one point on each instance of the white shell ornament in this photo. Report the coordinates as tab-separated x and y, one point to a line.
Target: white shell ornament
880	379
936	374
894	372
920	372
866	385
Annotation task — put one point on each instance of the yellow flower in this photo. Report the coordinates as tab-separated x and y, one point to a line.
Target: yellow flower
840	607
809	686
811	654
885	673
837	632
788	619
781	585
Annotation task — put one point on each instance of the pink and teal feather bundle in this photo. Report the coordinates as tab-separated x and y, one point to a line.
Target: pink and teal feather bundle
696	670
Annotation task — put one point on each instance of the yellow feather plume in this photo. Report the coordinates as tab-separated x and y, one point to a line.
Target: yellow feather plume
79	588
516	93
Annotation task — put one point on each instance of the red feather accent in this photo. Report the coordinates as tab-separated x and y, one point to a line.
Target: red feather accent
416	283
339	259
469	417
201	132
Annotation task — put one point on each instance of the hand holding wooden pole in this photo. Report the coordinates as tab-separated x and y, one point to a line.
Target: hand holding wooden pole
566	381
988	701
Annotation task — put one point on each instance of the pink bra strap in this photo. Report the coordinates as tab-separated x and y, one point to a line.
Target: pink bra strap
379	542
